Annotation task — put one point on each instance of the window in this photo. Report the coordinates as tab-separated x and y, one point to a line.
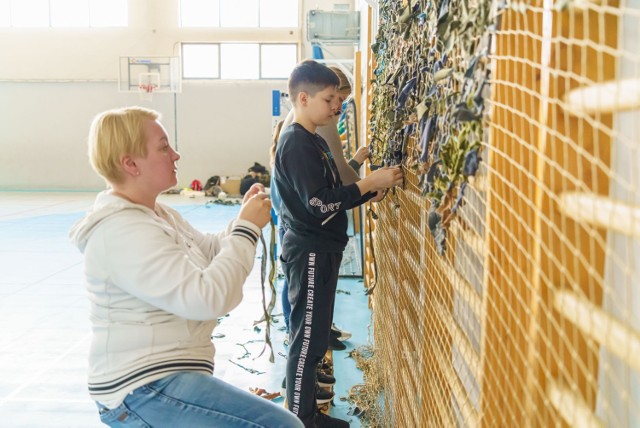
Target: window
5	13
69	13
63	13
277	61
199	13
239	14
278	13
238	60
30	13
200	61
108	13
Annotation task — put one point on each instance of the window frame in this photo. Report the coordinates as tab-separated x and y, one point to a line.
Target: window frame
182	44
297	55
220	26
182	27
50	20
219	44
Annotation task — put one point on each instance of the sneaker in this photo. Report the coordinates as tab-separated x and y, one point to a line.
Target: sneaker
323	396
335	344
326	421
344	334
325	379
326	366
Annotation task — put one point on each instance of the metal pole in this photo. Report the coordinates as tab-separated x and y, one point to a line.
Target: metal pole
175	120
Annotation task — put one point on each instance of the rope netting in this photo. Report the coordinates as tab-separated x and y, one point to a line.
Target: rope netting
506	269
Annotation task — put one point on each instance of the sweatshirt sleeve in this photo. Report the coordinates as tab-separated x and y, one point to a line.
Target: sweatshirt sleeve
365	198
354	164
209	243
304	170
147	262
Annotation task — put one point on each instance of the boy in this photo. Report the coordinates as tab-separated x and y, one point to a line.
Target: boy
314	204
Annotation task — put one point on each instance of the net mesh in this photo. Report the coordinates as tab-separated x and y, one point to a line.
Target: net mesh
505	271
148	83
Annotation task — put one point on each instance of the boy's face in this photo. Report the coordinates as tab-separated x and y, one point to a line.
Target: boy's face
321	107
340	98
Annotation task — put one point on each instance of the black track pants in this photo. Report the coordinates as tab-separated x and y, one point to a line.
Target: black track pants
312	278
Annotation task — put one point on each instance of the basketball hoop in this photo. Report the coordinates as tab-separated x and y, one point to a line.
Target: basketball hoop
147	84
149	75
145	91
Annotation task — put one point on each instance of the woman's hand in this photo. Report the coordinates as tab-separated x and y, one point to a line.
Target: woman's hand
253	190
256	209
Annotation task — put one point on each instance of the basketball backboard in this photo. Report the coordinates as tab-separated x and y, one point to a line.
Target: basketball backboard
149	74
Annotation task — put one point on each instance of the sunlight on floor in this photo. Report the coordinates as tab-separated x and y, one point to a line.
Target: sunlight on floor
44	327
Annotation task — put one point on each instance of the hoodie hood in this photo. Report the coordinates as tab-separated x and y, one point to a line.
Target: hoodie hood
105	205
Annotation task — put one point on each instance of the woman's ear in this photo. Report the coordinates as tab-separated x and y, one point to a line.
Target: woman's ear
129	165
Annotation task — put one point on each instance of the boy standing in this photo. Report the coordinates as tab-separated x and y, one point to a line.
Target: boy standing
314	204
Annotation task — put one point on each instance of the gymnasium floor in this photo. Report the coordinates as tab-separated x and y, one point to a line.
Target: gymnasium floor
44	327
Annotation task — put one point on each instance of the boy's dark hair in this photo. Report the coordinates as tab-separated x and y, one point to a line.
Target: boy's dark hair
310	77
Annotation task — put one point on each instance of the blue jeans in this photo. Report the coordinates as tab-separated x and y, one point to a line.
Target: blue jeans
286	305
190	399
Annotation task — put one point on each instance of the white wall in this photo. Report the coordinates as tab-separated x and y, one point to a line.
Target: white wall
222	129
53	82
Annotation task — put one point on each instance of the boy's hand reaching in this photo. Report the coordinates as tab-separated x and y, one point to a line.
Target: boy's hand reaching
378	197
382	178
361	155
256	209
386	177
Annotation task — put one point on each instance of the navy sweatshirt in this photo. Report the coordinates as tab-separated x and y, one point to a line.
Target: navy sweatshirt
312	193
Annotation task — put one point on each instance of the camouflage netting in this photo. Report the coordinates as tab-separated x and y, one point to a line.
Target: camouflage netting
428	102
503	275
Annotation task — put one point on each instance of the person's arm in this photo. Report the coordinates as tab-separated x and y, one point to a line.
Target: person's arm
276	200
359	158
146	261
382	178
331	136
365	198
209	243
354	164
303	169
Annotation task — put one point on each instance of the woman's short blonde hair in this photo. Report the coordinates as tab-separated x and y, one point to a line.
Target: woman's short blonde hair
114	134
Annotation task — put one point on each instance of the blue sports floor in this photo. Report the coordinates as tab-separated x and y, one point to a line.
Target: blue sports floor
44	327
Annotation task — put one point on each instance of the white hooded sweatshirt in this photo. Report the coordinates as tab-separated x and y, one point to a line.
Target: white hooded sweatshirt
156	287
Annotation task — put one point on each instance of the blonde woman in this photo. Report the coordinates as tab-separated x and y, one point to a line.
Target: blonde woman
157	286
